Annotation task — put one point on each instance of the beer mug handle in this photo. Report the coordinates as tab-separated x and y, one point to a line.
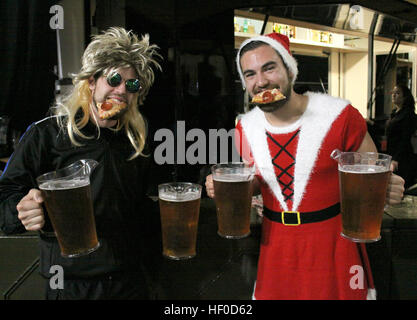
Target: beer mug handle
335	155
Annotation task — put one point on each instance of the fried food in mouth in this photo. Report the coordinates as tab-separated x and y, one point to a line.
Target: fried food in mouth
110	108
268	96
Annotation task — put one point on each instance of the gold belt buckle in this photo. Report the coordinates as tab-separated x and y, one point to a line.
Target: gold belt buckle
291	224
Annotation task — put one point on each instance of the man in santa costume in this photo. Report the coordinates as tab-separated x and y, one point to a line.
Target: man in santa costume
302	255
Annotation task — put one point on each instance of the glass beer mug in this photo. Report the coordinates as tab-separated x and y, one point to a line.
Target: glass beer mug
233	197
68	201
179	204
363	182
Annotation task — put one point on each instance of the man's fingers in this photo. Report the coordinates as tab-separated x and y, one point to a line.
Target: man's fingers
30	211
33	194
36	195
29	214
27	205
395	191
35	223
393	198
209	186
32	220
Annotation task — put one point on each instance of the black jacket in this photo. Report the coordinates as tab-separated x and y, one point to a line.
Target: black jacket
400	127
122	210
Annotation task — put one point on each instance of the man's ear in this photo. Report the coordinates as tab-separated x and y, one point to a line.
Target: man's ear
290	76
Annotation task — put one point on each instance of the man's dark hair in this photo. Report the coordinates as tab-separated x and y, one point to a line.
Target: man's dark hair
251	46
256	44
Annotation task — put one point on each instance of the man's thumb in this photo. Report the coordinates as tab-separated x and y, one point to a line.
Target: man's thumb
38	197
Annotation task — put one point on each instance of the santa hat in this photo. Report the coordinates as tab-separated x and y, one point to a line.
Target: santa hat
281	44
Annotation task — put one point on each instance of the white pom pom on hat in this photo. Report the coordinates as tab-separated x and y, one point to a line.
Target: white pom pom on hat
280	43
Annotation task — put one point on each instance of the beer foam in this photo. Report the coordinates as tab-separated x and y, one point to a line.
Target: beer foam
362	168
239	177
179	197
64	185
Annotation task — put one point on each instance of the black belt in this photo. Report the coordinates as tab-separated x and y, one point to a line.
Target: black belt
295	218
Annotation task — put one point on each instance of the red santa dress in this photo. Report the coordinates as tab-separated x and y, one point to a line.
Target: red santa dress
296	173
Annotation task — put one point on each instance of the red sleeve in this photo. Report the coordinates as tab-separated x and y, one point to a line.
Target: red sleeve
242	144
354	129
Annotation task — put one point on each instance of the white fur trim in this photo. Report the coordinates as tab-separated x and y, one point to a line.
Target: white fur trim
254	128
287	58
371	294
316	121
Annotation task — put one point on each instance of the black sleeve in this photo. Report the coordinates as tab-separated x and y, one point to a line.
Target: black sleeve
407	123
18	178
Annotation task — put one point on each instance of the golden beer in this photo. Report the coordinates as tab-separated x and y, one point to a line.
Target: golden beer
233	197
70	210
363	192
179	205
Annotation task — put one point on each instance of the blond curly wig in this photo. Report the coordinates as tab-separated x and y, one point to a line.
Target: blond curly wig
113	49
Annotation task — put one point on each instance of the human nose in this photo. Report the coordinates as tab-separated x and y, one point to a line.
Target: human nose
120	89
261	80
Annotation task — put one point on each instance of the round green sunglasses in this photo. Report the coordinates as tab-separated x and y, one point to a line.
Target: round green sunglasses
132	85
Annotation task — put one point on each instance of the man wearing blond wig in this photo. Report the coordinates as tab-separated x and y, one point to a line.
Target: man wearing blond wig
100	120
